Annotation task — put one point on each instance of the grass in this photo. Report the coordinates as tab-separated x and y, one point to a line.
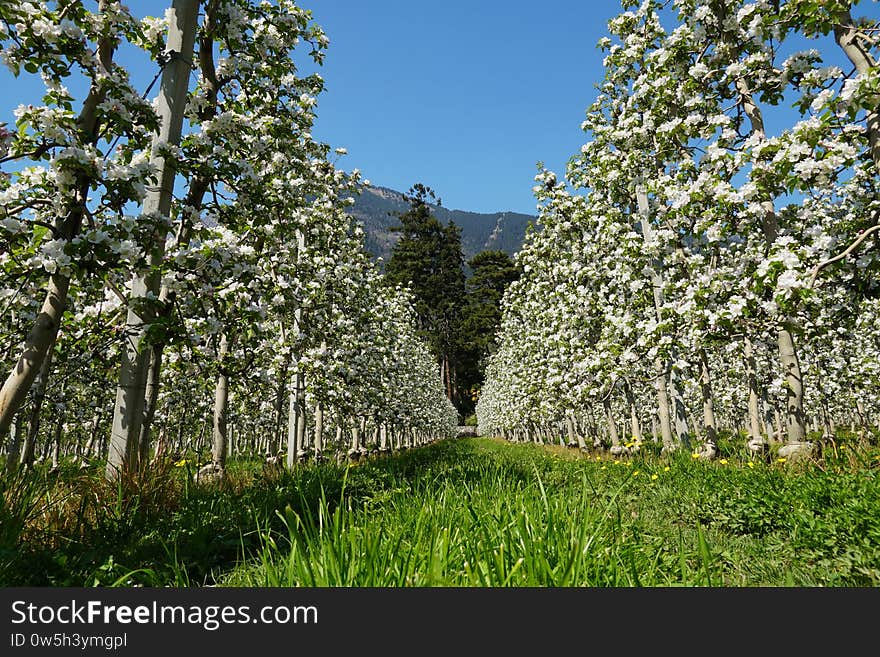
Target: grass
469	512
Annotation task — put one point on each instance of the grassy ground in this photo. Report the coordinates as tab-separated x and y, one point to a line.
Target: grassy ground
464	512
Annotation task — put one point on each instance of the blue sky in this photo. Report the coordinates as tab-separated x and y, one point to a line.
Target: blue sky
463	96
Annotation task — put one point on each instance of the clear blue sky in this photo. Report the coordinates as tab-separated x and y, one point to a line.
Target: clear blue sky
465	96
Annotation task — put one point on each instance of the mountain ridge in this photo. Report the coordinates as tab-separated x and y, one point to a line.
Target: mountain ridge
377	208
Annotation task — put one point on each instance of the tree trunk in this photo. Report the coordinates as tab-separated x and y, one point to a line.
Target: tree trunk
221	407
12	450
663	406
319	431
766	412
573	434
794	388
279	409
635	429
56	442
682	435
355	439
756	437
613	436
709	426
128	416
89	449
151	398
26	457
37	345
301	445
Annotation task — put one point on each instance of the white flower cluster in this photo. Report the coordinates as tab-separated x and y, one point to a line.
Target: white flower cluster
689	257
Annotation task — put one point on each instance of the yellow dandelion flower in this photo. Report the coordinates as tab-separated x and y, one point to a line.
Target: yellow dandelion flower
781	459
603	467
654	476
180	463
751	464
635	472
666	469
723	461
695	455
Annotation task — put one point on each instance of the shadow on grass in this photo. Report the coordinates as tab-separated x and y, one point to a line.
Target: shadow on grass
167	531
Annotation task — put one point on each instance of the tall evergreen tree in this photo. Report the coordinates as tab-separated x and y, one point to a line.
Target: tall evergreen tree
428	259
492	271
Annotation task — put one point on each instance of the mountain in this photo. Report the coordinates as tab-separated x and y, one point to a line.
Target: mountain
377	207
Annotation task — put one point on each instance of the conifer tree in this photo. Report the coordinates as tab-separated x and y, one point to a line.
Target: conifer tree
428	259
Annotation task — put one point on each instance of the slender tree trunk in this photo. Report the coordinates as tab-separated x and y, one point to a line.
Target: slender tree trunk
89	449
179	439
291	425
766	413
863	418
635	429
221	408
663	413
709	427
613	436
756	438
319	431
12	450
56	442
339	435
682	435
279	409
150	400
573	434
794	388
17	456
355	439
128	416
826	421
383	438
301	445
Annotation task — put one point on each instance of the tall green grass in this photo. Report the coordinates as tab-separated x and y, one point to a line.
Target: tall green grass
463	512
479	513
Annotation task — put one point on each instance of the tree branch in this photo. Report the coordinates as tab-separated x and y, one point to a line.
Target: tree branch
852	247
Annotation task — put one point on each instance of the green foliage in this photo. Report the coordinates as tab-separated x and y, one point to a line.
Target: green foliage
463	512
492	271
458	318
475	512
428	259
21	495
